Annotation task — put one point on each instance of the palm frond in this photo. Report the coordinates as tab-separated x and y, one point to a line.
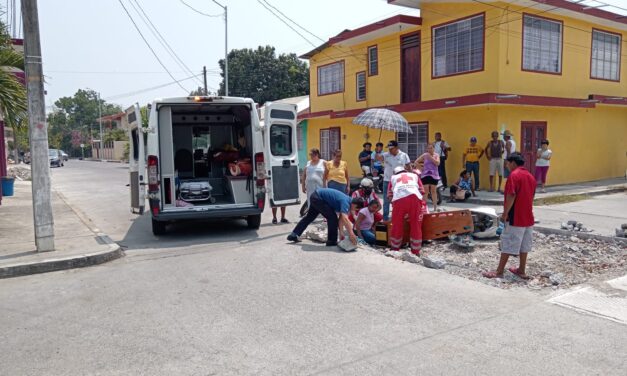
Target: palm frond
13	105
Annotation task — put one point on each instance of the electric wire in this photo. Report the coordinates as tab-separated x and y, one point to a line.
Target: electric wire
162	40
199	12
140	91
150	47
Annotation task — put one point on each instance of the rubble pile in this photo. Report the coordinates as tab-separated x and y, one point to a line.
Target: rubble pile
574	226
19	172
555	261
622	231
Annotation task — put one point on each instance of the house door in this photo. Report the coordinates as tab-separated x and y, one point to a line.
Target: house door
532	133
410	68
329	142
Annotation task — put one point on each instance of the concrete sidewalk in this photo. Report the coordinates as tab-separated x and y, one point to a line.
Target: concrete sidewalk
593	188
78	243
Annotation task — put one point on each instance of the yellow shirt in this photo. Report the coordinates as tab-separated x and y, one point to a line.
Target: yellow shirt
337	174
472	153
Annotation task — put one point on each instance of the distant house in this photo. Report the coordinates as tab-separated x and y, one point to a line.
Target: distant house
115	121
539	68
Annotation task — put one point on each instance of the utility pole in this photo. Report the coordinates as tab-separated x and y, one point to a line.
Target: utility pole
38	131
204	76
101	144
226	48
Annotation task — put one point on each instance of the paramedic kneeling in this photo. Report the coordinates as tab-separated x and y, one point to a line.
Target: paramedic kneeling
328	202
406	196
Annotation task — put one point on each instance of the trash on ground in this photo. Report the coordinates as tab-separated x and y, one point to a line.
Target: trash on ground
574	226
464	241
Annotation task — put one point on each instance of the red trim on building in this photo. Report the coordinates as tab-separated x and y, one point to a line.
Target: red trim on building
482	99
581	8
17	42
318	78
620	49
522	45
376	26
433	44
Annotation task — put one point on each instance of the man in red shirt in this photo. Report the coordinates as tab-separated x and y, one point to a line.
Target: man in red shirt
517	236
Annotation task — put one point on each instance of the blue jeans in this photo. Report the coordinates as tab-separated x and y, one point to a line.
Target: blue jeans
473	168
337	186
386	201
368	236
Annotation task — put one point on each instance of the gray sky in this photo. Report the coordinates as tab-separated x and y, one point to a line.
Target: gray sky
93	44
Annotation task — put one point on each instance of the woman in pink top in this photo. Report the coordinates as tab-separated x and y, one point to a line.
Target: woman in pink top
365	222
430	175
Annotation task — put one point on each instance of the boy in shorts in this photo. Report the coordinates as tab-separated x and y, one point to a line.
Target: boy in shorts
517	236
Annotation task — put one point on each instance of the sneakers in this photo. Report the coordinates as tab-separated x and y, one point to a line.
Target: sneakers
293	238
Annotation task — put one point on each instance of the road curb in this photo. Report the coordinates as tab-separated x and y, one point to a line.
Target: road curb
582	235
539	201
63	263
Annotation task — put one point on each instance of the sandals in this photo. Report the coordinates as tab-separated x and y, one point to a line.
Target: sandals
514	271
491	275
283	220
274	221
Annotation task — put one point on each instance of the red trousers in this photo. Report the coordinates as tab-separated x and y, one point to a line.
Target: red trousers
412	207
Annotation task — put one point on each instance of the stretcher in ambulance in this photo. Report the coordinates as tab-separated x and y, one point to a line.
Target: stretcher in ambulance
211	157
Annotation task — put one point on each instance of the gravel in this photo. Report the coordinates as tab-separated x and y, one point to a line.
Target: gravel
19	172
556	262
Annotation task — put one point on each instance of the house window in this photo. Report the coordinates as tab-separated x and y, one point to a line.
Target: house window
373	61
415	143
605	56
331	78
458	47
329	142
361	86
542	45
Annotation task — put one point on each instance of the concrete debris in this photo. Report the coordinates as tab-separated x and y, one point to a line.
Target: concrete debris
394	254
410	257
546	273
621	232
556	279
346	245
433	262
573	248
19	172
316	233
574	226
624	226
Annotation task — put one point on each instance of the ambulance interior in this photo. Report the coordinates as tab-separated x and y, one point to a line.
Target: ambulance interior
211	148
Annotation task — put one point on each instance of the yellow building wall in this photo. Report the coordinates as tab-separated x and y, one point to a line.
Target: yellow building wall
588	144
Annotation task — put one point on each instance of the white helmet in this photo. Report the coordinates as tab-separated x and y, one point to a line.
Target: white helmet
365	182
398	169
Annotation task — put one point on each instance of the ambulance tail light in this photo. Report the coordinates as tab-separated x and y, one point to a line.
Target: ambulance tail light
153	173
260	167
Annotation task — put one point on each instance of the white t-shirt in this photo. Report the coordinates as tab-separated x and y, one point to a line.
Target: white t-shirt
393	161
511	150
405	184
315	173
438	147
544	162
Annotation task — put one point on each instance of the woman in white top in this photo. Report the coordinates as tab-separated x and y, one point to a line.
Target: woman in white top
313	173
543	158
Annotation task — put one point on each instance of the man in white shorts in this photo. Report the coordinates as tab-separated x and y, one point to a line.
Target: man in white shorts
517	237
494	152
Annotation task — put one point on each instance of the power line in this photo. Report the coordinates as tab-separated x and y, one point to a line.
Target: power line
286	23
294	22
128	94
162	40
149	47
210	71
199	12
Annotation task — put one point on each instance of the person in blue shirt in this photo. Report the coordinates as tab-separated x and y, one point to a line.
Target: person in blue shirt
334	207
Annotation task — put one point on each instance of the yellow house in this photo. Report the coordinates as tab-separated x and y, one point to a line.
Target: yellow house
541	69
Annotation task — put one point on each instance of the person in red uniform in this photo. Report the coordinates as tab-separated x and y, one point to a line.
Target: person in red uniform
406	193
517	236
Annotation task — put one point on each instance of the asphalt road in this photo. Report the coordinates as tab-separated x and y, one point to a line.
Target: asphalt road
216	298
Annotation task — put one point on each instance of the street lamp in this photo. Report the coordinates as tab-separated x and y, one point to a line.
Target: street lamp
226	54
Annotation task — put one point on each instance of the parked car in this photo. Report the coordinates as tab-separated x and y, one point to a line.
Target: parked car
64	155
55	158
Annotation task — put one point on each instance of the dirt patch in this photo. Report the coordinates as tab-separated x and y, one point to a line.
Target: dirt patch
555	262
562	199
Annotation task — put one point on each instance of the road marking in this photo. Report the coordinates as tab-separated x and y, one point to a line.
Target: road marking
608	301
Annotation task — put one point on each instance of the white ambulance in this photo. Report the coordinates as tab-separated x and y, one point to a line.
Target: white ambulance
210	157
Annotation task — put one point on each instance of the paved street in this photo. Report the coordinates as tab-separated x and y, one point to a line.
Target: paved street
217	298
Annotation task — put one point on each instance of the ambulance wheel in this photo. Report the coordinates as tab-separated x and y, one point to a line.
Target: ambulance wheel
158	228
253	221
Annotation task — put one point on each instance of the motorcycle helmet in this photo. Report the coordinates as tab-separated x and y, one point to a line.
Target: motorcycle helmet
366	185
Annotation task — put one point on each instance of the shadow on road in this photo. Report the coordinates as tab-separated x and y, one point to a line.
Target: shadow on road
187	233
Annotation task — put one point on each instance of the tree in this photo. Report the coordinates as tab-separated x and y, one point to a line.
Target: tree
74	119
13	105
261	75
